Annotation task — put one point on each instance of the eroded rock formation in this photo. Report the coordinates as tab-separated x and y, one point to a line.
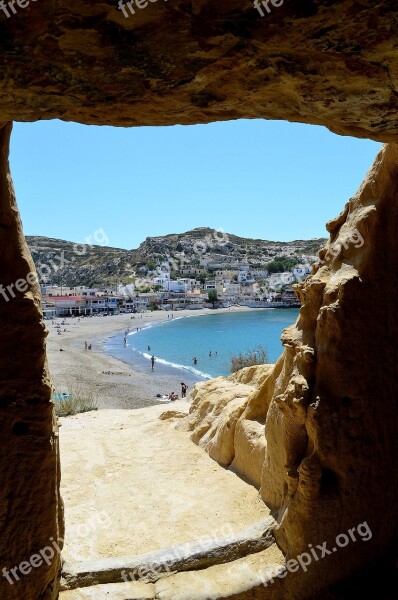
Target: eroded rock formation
30	507
327	62
330	403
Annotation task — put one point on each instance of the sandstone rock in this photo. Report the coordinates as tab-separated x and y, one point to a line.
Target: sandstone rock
330	403
329	63
172	414
31	515
216	406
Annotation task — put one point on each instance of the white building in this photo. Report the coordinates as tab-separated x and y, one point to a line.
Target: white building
280	279
301	272
178	286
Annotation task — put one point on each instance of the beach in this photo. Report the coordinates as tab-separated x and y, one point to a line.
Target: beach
131	483
113	383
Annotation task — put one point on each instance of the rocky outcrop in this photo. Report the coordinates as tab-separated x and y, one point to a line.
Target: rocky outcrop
330	403
30	506
327	62
227	419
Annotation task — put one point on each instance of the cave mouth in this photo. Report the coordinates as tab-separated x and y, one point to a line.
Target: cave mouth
102	168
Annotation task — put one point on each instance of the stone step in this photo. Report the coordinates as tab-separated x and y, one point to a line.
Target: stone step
112	591
253	577
149	567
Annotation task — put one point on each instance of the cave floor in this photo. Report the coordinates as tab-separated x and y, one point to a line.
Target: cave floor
132	484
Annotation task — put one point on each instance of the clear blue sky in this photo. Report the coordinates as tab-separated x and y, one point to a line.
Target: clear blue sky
265	179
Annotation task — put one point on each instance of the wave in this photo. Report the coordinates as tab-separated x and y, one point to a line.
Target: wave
168	363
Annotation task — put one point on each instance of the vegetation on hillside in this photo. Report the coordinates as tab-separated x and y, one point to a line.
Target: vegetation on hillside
258	356
65	263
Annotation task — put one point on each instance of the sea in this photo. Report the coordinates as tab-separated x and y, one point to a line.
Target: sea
211	338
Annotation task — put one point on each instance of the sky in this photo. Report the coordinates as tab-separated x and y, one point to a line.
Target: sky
261	179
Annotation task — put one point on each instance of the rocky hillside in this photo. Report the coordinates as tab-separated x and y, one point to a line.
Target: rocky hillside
216	246
59	261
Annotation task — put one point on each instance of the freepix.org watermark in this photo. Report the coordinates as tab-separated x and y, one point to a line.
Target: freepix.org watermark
151	572
9	8
354	238
48	554
123	6
44	556
266	5
45	270
361	533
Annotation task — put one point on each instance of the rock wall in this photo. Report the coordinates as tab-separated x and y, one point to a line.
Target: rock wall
330	404
30	507
327	62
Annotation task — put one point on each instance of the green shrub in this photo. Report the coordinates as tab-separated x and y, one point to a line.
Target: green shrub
258	356
81	400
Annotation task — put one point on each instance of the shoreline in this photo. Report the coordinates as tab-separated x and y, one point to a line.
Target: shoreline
114	383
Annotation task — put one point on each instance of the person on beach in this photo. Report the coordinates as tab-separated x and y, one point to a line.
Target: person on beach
153	361
173	396
184	388
89	347
85	345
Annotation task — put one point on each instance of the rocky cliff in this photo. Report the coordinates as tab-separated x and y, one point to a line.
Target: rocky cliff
311	431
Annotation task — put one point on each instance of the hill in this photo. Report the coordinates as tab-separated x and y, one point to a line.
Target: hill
67	263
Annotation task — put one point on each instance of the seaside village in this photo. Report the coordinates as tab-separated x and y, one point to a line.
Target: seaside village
207	285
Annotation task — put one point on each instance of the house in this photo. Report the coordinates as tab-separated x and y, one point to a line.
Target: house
301	272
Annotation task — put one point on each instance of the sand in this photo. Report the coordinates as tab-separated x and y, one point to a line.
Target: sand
131	483
131	388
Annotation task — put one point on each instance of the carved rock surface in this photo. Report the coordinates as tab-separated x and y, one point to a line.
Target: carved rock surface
330	404
328	62
31	515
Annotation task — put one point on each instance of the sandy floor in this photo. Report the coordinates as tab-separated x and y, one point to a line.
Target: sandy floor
130	482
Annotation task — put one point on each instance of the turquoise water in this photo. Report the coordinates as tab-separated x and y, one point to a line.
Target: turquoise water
174	343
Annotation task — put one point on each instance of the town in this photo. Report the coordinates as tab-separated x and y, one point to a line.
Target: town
205	285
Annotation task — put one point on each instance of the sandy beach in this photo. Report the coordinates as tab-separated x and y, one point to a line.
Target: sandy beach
131	483
113	383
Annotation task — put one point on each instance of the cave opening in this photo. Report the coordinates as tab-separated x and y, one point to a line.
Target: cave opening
94	182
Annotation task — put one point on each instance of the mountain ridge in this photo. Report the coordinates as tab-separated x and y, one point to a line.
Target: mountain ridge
74	263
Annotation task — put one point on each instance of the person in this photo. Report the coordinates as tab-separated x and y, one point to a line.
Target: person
173	396
85	345
210	353
184	388
153	361
149	348
195	360
125	341
89	347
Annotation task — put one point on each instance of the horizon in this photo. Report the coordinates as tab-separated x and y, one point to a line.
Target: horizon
179	234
